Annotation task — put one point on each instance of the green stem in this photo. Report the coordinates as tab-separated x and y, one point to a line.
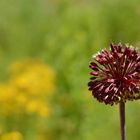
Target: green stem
122	120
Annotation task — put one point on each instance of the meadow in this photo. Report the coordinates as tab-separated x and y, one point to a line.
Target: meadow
45	50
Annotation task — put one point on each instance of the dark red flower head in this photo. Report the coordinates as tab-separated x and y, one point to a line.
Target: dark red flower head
115	74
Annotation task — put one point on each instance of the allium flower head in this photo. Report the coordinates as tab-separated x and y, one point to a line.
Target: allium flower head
115	74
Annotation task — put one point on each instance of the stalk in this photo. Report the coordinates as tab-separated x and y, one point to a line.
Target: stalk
122	120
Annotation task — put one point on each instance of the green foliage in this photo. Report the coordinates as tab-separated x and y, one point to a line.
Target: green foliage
65	34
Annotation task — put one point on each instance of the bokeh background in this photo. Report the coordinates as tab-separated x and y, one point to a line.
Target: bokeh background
45	49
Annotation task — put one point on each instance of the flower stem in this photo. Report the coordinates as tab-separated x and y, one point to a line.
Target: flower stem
122	120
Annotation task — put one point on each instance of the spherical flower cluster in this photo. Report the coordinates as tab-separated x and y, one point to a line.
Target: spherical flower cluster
115	74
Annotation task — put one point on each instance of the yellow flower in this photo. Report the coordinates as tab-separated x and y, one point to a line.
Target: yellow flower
7	92
39	107
44	111
21	99
33	77
30	83
15	135
8	95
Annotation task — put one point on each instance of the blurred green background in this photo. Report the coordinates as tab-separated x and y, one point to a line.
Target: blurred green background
45	49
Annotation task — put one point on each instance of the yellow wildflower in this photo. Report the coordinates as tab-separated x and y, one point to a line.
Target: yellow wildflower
26	91
15	135
39	107
7	92
33	77
7	98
